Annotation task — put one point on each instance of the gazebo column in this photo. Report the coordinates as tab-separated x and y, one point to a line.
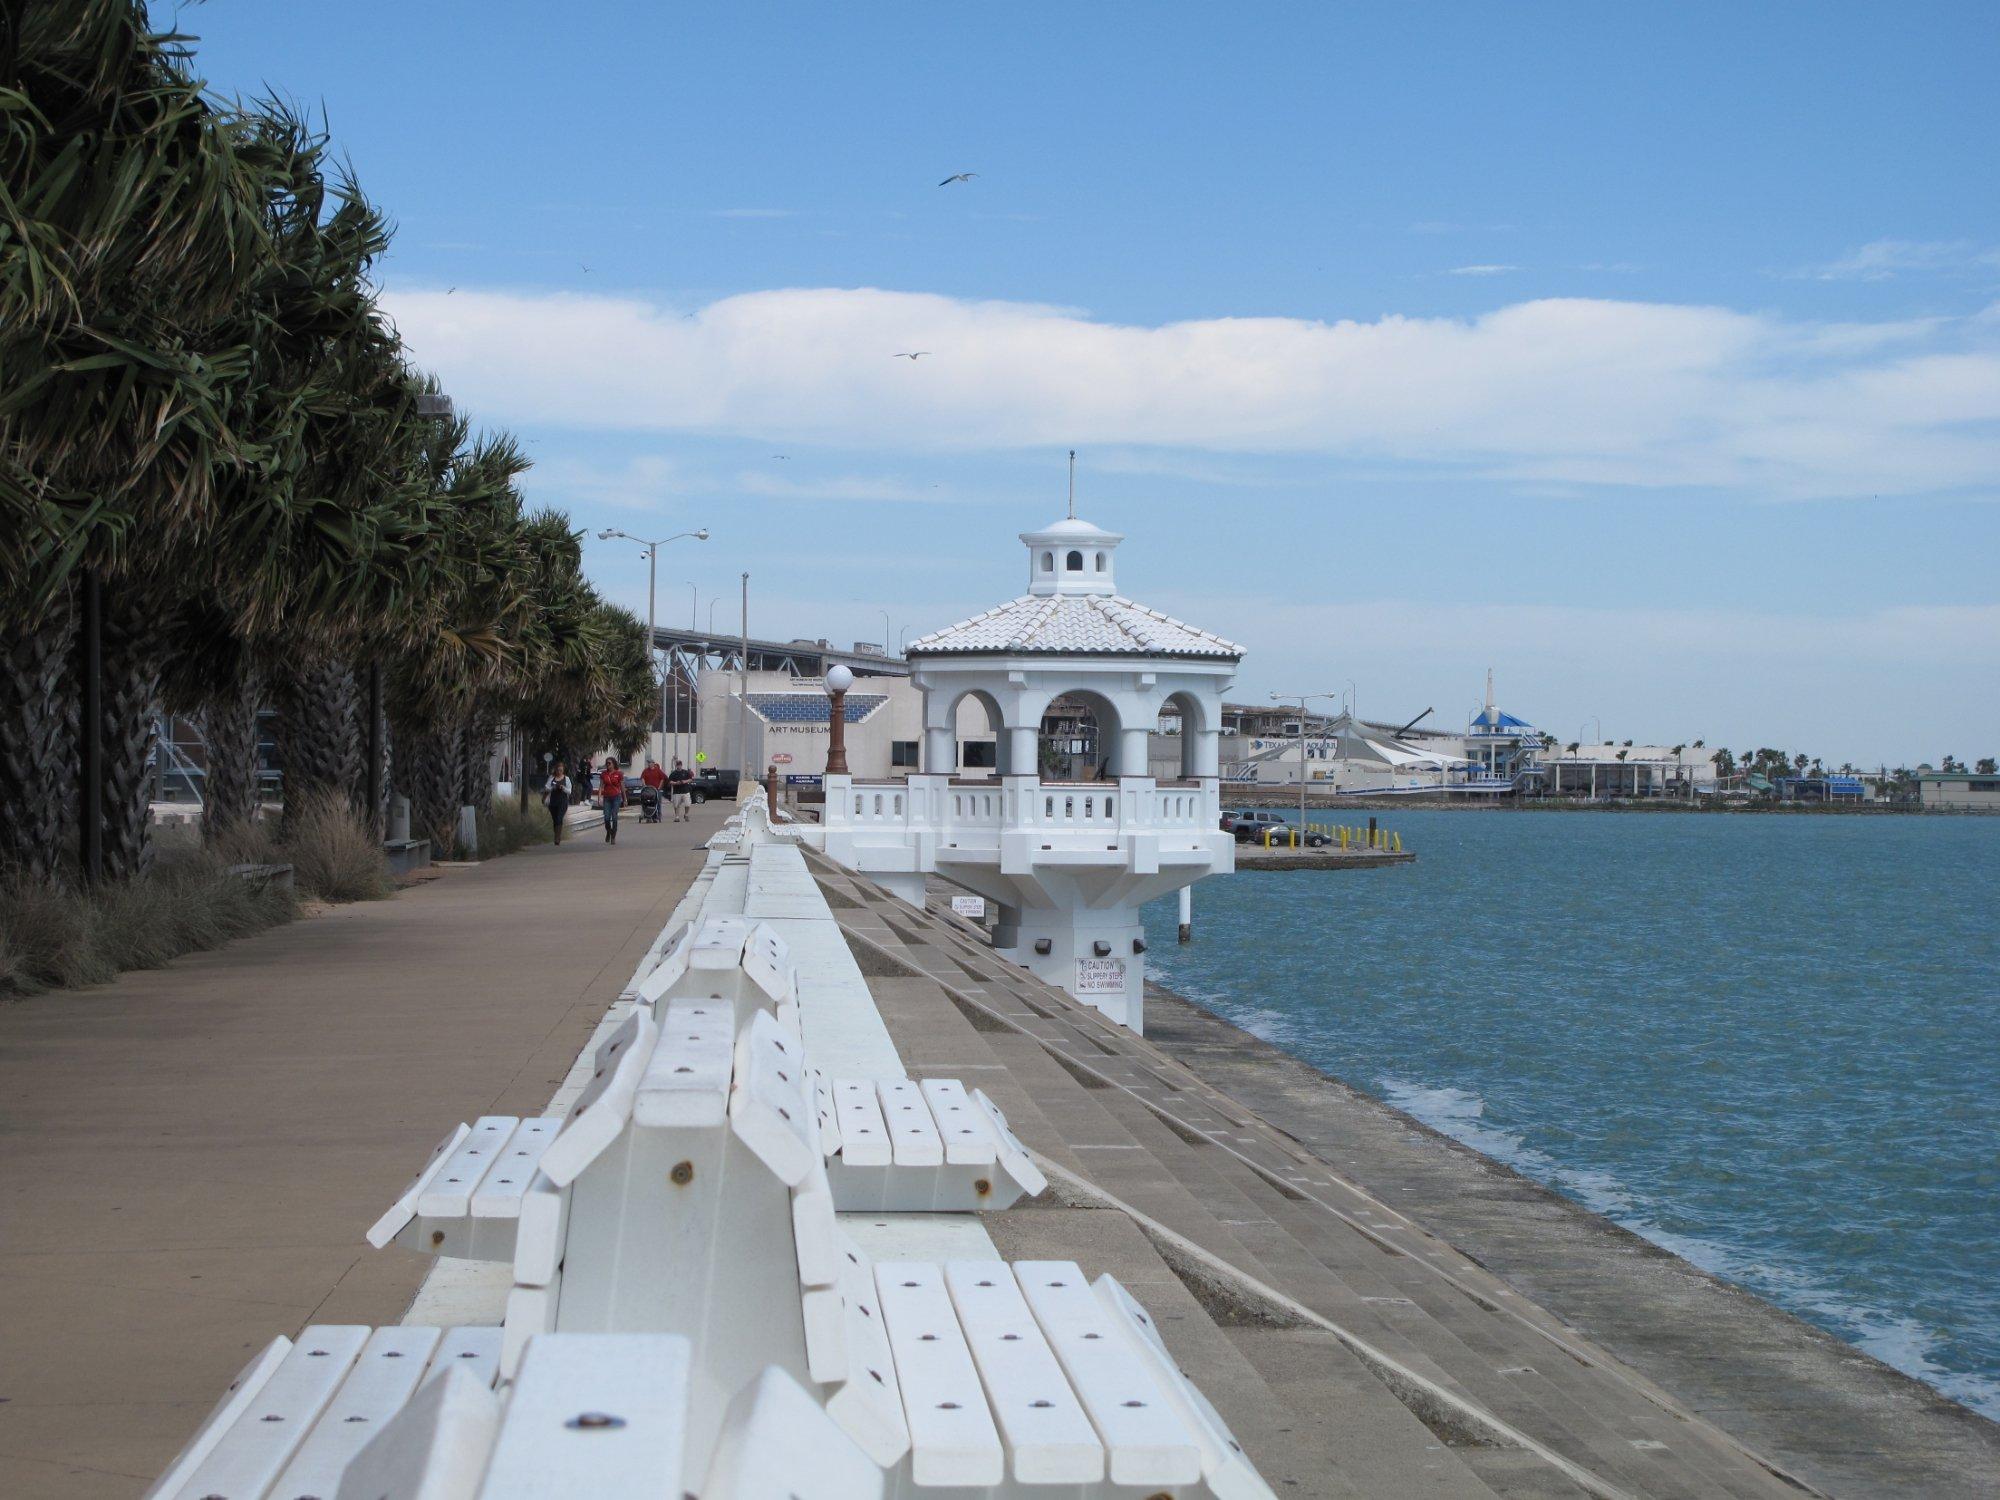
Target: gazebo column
940	750
1132	754
1018	747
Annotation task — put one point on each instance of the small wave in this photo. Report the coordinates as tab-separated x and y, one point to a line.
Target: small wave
1900	1342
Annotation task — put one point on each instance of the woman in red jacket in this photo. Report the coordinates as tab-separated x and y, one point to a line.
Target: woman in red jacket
611	787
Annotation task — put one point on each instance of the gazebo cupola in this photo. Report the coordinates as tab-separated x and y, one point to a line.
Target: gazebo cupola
1071	557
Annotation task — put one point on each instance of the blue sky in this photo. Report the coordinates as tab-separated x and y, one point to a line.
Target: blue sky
1650	357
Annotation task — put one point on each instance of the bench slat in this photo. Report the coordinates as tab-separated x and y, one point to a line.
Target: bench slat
1049	1436
824	1312
242	1391
1145	1440
270	1428
404	1208
474	1349
598	1414
539	1237
671	963
384	1375
864	1138
952	1436
1014	1157
433	1449
868	1405
1224	1464
815	1231
686	1082
449	1194
913	1134
500	1191
768	1108
531	1310
768	961
967	1132
606	1102
718	943
777	1442
827	1113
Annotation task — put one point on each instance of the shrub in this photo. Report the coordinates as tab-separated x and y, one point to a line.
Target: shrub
506	828
333	854
52	937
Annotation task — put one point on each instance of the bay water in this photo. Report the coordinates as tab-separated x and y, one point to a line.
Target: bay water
1768	1043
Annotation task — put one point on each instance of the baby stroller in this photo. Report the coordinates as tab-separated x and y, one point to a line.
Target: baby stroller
649	804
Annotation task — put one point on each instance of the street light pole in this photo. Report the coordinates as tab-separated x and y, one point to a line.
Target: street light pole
652	584
1302	697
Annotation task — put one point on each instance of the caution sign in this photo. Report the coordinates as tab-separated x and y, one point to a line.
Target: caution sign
1100	976
969	906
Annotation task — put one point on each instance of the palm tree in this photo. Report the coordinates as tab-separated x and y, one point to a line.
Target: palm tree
132	222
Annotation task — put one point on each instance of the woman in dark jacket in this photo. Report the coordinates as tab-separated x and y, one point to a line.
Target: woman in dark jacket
557	794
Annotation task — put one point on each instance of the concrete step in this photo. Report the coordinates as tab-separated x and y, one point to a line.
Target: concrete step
1343	1441
1583	1412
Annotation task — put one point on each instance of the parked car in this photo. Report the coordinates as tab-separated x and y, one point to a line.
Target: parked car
1250	826
712	783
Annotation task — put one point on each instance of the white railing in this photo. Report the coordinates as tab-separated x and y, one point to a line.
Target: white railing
1081	807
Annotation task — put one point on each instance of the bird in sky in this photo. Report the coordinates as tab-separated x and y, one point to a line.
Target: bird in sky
449	290
586	268
913	356
958	177
781	456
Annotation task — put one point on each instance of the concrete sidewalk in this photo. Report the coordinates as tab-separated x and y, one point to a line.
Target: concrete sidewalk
189	1157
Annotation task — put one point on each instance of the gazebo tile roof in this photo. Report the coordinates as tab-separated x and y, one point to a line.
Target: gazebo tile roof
1075	625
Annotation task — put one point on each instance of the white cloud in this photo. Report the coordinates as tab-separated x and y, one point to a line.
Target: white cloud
841	487
1879	260
1583	391
1481	270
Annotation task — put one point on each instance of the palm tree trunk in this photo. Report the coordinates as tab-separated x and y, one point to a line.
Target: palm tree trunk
229	725
131	694
426	773
37	733
317	726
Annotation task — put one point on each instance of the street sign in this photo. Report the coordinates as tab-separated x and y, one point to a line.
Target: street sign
782	758
700	757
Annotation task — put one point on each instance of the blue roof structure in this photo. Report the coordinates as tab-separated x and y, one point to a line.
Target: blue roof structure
1494	719
811	708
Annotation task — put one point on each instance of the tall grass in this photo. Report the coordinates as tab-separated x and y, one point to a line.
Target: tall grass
333	855
52	937
507	828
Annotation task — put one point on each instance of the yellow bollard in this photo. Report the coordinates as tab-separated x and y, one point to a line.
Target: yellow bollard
1399	843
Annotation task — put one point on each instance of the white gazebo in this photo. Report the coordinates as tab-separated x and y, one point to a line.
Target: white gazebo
1068	862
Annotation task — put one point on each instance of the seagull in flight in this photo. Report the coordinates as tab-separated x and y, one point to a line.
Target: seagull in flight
958	177
913	356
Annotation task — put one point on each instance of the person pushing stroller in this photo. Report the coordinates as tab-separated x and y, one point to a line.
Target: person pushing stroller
653	782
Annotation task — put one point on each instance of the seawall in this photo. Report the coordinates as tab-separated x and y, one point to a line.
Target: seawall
1816	1406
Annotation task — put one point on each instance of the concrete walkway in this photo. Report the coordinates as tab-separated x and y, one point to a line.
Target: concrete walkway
189	1157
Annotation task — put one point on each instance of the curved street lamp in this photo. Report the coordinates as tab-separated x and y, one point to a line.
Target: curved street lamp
652	579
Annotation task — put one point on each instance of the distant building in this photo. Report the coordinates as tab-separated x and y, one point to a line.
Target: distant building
1961	791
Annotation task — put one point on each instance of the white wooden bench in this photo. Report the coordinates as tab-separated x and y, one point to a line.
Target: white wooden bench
904	1146
298	1413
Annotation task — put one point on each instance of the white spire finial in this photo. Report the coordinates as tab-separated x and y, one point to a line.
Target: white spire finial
1072	484
1489	689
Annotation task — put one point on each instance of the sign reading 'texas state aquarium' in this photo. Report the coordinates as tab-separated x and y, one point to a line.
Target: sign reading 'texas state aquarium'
1100	976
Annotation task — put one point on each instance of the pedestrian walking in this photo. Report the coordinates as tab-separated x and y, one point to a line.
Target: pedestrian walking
680	787
611	792
557	797
656	788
